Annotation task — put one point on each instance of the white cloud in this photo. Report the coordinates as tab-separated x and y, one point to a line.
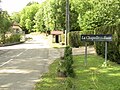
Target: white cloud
15	5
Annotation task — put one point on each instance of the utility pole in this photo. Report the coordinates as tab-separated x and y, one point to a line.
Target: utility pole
67	22
55	28
0	7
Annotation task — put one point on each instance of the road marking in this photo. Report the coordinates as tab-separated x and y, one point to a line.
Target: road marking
21	53
6	62
12	58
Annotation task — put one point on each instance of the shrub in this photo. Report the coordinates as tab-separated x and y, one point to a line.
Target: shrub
65	68
113	47
74	39
69	84
13	38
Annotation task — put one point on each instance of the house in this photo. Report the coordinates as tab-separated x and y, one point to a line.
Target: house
16	28
56	36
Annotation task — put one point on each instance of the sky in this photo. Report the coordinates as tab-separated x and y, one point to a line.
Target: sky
15	5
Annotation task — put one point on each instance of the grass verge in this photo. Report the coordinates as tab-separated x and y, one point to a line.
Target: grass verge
91	77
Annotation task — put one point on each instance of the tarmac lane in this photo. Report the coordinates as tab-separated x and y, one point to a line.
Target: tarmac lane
7	55
22	65
22	68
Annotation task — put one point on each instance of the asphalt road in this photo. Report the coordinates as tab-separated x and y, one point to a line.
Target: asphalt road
22	65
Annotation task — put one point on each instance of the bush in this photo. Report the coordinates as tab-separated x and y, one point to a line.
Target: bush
65	68
113	47
69	84
75	38
13	38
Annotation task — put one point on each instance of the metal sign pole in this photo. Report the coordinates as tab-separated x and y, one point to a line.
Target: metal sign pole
105	52
67	21
85	54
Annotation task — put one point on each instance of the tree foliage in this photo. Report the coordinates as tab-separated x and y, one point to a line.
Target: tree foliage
96	13
65	67
5	23
27	16
15	17
58	13
31	3
84	15
39	19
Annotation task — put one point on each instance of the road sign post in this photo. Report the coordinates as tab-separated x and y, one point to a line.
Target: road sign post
96	38
105	53
85	54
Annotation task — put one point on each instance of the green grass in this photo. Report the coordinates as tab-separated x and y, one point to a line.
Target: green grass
91	77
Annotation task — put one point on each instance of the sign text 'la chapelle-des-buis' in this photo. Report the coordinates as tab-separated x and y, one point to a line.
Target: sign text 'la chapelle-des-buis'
96	38
99	37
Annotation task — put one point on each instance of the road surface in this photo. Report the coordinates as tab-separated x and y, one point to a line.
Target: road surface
22	65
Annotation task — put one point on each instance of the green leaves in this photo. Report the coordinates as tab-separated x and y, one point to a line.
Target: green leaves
58	14
27	16
15	17
96	13
84	15
65	68
103	13
5	21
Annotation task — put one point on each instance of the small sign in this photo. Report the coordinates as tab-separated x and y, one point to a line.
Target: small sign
100	37
106	38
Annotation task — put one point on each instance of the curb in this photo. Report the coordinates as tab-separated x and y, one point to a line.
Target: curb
10	44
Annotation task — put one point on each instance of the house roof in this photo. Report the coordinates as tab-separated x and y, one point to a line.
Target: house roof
56	32
15	27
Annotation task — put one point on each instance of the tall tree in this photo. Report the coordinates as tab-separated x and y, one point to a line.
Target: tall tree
5	23
84	14
27	16
96	13
74	25
58	13
40	19
15	17
31	3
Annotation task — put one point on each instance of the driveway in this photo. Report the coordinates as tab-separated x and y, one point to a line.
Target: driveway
22	65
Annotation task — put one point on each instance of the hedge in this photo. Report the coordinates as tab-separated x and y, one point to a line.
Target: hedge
75	38
13	38
65	66
10	39
114	46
